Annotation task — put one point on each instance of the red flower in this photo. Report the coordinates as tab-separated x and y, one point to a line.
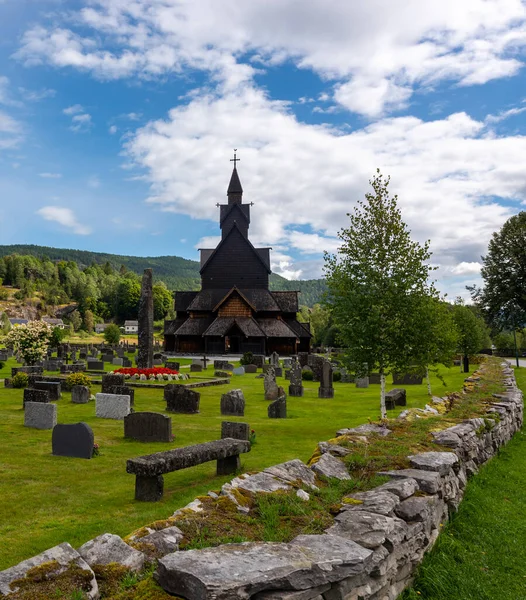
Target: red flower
154	371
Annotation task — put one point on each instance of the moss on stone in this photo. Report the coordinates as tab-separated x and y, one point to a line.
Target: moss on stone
109	578
351	501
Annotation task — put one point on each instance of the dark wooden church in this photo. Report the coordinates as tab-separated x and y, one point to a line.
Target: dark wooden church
235	312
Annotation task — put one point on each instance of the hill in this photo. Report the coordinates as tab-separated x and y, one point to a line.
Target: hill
176	272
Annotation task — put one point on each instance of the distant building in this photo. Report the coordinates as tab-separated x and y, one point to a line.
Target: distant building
100	327
54	322
131	326
18	322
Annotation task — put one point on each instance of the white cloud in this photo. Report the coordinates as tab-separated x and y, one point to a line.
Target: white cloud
94	182
73	110
506	114
50	175
467	268
376	53
305	178
65	217
11	130
80	123
112	130
36	95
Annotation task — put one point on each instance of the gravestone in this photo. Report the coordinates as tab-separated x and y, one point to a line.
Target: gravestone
75	440
52	387
148	427
126	362
287	363
40	415
118	362
316	364
303	358
287	374
51	365
239	371
398	396
346	376
237	431
278	371
145	319
407	379
326	389
95	365
32	395
199	361
196	368
362	382
233	403
229	366
109	381
173	365
123	390
374	379
80	394
33	370
83	355
258	360
3	356
251	369
120	352
274	359
278	408
270	385
73	356
220	364
112	406
180	399
76	368
296	385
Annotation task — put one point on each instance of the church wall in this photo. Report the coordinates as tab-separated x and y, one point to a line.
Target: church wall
235	307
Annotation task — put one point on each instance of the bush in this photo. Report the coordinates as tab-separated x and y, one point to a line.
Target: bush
336	376
112	334
307	375
2	365
246	359
4	295
76	379
20	380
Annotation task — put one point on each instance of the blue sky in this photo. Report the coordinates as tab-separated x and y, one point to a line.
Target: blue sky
118	119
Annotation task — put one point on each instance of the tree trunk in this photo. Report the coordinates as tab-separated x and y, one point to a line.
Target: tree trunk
429	393
466	363
383	410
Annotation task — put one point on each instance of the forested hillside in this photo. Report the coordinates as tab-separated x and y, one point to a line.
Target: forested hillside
177	273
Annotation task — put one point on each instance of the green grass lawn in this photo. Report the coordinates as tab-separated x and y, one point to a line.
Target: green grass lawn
46	500
481	553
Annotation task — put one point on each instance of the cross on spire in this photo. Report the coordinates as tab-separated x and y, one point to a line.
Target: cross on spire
235	159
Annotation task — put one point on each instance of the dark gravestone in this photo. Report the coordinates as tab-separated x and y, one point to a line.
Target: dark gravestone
389	403
316	364
172	364
179	399
126	362
251	369
398	396
80	394
278	371
237	431
123	390
31	395
278	408
50	386
303	358
233	403
35	370
258	360
374	378
296	385
110	381
75	440
148	427
145	334
326	389
196	368
407	379
95	365
274	359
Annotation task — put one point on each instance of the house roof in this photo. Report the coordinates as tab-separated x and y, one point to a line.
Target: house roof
287	301
51	321
299	328
222	325
235	227
131	323
226	209
261	300
275	328
19	321
170	327
184	299
193	327
102	325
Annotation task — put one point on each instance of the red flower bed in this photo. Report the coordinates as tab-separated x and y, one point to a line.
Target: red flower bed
147	372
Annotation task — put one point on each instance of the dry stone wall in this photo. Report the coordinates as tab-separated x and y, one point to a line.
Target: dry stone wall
371	550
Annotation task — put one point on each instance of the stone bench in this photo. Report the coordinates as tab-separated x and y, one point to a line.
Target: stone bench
149	469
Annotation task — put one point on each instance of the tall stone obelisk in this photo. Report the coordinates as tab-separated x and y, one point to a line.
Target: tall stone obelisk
145	353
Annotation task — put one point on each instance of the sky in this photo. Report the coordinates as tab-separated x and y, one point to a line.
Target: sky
118	119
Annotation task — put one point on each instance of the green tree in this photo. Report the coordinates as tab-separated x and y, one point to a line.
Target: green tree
88	321
162	300
319	322
57	335
127	300
378	286
112	334
472	331
75	319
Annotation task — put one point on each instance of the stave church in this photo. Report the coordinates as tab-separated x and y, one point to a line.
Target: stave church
235	312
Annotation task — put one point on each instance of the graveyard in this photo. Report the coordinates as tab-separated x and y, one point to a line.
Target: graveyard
47	499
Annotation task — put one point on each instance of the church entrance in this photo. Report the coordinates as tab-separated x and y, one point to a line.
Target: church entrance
232	344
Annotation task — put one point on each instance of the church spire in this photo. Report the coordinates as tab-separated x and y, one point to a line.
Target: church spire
235	191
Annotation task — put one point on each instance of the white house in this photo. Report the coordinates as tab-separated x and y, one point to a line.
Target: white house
100	327
131	326
54	322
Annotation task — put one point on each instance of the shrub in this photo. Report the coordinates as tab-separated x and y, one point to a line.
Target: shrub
246	359
2	365
76	379
31	341
307	375
112	334
4	295
336	376
20	380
